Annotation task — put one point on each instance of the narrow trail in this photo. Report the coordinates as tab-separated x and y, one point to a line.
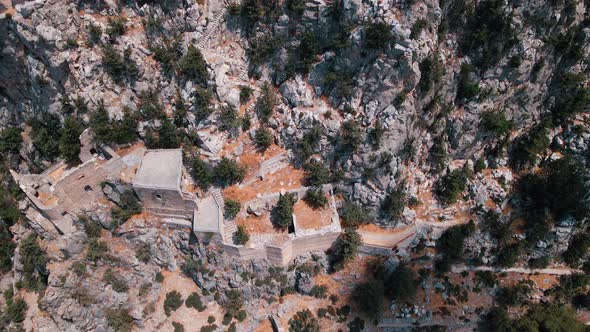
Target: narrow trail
560	271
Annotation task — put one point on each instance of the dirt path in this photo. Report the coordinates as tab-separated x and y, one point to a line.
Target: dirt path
551	271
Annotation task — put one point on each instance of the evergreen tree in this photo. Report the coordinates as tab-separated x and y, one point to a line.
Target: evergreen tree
69	142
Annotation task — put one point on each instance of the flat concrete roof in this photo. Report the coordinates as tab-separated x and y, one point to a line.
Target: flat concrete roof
160	169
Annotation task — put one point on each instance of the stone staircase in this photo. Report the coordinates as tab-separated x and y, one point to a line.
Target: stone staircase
213	26
229	226
217	147
229	229
274	164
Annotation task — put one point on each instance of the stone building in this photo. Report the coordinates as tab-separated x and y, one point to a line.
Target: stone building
158	185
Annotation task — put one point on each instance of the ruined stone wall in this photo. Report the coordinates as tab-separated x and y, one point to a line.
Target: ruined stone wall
282	255
165	202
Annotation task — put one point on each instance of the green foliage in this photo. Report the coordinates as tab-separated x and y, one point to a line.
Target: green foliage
486	278
159	277
91	227
120	320
377	35
350	136
121	68
417	28
402	284
488	34
568	287
316	174
167	53
467	88
180	112
34	263
69	141
97	250
266	103
319	291
94	34
231	208
241	237
45	133
394	202
229	120
451	185
515	295
109	131
451	242
79	268
149	105
16	310
369	298
558	187
345	248
282	213
10	140
202	173
315	198
304	321
310	142
263	47
228	172
143	252
438	155
193	66
116	27
495	122
116	281
172	302
245	94
302	57
7	247
508	255
167	136
539	263
577	249
352	214
528	146
128	206
296	7
233	303
194	301
432	70
178	327
263	138
571	96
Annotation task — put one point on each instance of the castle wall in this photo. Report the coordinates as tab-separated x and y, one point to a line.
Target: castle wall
165	202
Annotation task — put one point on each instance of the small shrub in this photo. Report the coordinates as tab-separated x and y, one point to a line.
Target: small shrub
316	174
193	66
194	301
315	198
143	252
202	173
282	213
353	214
172	302
377	35
120	320
304	321
245	94
116	281
241	237
495	122
451	185
263	138
321	292
231	208
228	172
178	327
159	277
345	248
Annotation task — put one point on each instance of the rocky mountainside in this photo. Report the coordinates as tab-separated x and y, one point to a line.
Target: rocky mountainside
423	115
